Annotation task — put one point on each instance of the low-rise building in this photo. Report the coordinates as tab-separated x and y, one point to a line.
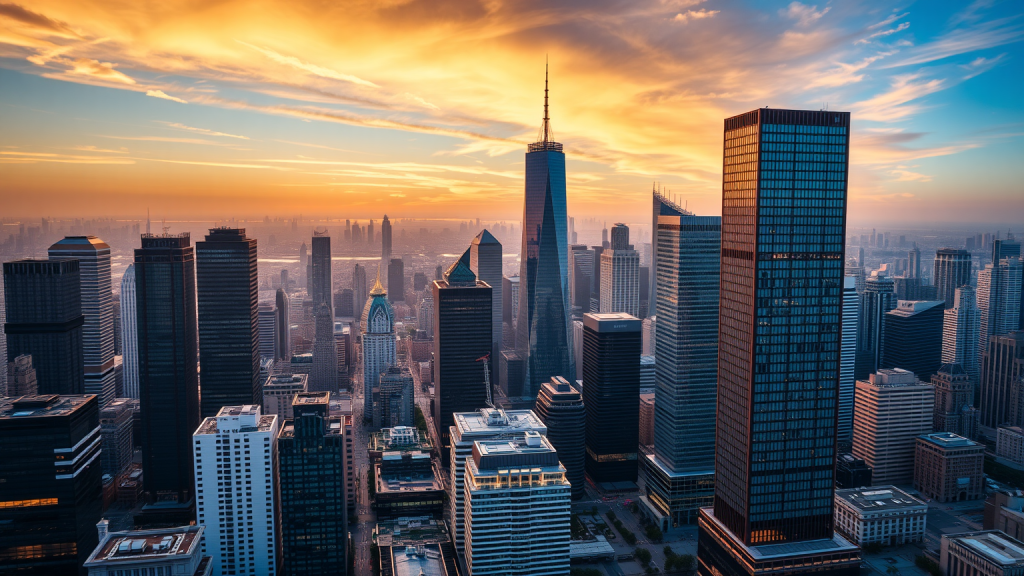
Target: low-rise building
407	484
398	439
949	468
852	472
884	514
170	551
987	553
1010	444
1004	510
280	390
415	546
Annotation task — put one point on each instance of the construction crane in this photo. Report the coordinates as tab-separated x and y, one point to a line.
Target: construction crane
487	377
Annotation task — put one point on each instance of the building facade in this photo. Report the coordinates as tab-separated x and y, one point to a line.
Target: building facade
991	553
999	290
485	260
1010	444
620	275
848	358
876	301
378	326
882	515
129	334
892	409
284	333
954	398
116	423
279	392
560	407
949	468
1000	396
952	269
324	377
396	280
913	337
960	333
394	405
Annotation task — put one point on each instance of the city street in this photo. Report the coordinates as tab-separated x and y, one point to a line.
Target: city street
366	519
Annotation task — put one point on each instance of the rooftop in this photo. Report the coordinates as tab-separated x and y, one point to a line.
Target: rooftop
893	378
312	398
42	405
994	545
417	561
533	450
407	483
411	530
287	381
494	421
766	552
246	418
133	546
879	498
908	308
948	440
611	322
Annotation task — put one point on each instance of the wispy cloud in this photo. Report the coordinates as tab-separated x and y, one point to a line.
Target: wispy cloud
18	157
694	15
895	104
311	68
882	33
165	139
161	94
105	71
980	65
963	41
892	18
27	17
803	14
204	131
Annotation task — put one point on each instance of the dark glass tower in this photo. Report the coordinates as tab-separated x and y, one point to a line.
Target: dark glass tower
311	456
165	281
396	280
51	492
543	330
44	318
876	301
227	291
485	261
560	407
913	338
952	270
783	230
462	338
611	395
385	240
284	334
320	271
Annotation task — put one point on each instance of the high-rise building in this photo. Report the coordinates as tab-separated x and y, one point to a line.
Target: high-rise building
960	333
50	461
359	292
581	278
116	422
378	342
848	358
279	391
129	334
304	265
462	338
324	377
21	377
486	262
394	405
165	284
396	280
268	334
385	240
954	398
93	257
284	332
878	298
662	206
913	337
680	473
892	409
517	508
3	340
43	304
311	456
561	408
320	267
611	395
425	315
952	270
241	518
620	275
1000	397
227	289
914	262
999	290
783	233
370	238
543	330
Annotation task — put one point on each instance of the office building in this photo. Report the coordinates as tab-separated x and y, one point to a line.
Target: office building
680	472
268	333
611	395
648	376
648	328
227	290
783	233
176	551
914	262
1010	444
999	290
948	467
320	281
241	518
876	301
116	421
960	333
50	461
378	326
394	404
848	358
407	484
662	206
359	287
93	257
279	392
165	285
913	337
129	334
385	240
424	550
516	487
21	377
952	270
620	275
425	315
324	377
954	402
344	305
312	457
581	278
510	286
485	261
852	472
3	341
882	515
892	409
1000	396
543	332
470	427
462	339
560	407
647	419
990	552
44	319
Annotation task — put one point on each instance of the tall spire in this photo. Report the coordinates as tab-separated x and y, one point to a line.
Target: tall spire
547	121
378	288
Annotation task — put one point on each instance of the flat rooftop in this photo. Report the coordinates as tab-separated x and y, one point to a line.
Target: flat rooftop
42	405
994	545
948	440
534	451
334	428
261	424
423	560
491	421
879	498
765	552
411	530
133	546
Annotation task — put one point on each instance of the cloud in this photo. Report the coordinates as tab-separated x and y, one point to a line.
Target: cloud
894	105
695	15
844	74
161	94
166	139
17	157
963	41
804	15
903	26
95	149
980	65
24	16
903	175
104	71
892	18
311	68
205	131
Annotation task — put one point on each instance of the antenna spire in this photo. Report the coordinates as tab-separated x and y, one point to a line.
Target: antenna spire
546	119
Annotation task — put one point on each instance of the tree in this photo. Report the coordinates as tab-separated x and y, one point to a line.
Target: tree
643	555
654	533
686	562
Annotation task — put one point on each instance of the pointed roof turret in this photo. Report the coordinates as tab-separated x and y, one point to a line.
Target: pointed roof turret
378	288
459	274
485	237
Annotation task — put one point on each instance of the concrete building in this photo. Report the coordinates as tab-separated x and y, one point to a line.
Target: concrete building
987	553
892	409
242	521
116	430
620	275
279	393
952	270
949	468
560	406
1010	444
517	508
852	472
954	395
648	374
882	515
960	333
1004	510
21	377
1000	396
999	303
129	334
170	551
268	333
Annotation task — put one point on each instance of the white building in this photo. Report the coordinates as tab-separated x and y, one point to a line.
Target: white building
647	333
517	502
280	390
960	333
620	275
484	424
848	357
268	330
169	551
235	456
378	341
884	514
647	373
129	334
1010	444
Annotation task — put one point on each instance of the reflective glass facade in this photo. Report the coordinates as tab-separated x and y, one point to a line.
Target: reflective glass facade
783	226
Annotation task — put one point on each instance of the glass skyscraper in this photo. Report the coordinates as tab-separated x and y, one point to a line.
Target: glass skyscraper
783	230
543	331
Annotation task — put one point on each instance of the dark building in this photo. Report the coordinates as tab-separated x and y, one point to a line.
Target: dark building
116	429
227	289
783	234
877	299
320	271
281	324
344	304
913	337
506	304
595	287
952	270
419	281
51	495
611	395
405	484
511	374
165	281
396	280
311	456
485	261
560	407
1001	397
44	319
462	338
852	472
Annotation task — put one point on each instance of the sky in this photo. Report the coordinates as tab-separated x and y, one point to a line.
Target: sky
423	108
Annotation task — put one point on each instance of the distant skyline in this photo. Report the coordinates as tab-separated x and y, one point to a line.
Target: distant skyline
423	109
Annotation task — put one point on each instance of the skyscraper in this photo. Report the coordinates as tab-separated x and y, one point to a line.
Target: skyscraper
680	474
914	262
913	337
485	261
320	267
560	407
227	289
952	270
999	290
783	232
395	405
620	275
462	338
543	331
385	240
396	280
378	341
129	334
876	301
581	278
284	333
954	399
960	333
359	292
324	377
1000	394
611	395
93	257
165	283
43	303
892	409
848	358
